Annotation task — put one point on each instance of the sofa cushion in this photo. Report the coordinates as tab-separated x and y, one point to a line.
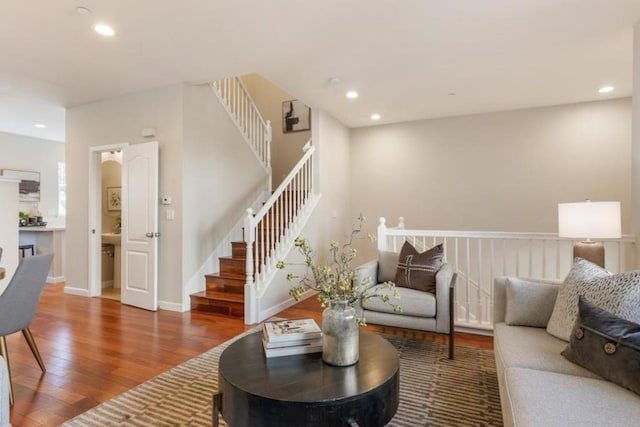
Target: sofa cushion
413	302
533	348
606	345
619	294
550	399
529	303
387	266
418	270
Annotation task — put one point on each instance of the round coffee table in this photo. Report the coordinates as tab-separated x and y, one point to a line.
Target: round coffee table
302	390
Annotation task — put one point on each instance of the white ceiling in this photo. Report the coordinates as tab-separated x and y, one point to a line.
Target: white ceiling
403	56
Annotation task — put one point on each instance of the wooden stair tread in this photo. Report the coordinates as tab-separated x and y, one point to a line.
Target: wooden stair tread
220	296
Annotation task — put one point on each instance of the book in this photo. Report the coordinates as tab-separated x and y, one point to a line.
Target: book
314	347
291	330
291	343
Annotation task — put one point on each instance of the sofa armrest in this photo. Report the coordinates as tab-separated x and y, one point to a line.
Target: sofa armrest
445	281
4	394
364	271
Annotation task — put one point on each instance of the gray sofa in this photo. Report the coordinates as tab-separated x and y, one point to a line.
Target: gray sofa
539	387
4	394
420	310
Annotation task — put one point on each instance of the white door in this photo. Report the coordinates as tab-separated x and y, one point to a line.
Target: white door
140	225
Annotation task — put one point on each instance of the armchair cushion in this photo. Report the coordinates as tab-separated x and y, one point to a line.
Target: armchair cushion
387	266
413	302
418	270
529	303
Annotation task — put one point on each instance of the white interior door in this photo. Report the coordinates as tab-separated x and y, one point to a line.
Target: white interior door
140	225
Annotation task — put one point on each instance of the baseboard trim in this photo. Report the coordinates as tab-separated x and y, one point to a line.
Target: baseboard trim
55	279
171	306
76	291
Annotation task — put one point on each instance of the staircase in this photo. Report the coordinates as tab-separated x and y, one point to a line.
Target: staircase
269	234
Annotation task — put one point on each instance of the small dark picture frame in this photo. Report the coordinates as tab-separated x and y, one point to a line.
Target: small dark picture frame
296	116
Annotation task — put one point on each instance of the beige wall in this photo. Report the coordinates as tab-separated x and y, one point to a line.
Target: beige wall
221	179
115	121
635	152
38	155
503	171
286	148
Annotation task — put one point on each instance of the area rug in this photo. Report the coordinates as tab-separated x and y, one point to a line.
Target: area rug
434	391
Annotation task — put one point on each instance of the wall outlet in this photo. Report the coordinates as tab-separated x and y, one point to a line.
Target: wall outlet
170	214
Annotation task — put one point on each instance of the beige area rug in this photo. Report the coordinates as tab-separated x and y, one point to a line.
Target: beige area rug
434	391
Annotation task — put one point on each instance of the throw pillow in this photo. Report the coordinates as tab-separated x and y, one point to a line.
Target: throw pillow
418	270
387	265
606	345
619	294
529	303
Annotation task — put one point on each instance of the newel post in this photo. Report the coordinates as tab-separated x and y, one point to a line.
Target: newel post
250	303
382	234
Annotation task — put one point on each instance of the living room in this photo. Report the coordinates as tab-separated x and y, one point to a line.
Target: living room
501	169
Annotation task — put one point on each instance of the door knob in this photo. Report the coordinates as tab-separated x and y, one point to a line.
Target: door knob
149	234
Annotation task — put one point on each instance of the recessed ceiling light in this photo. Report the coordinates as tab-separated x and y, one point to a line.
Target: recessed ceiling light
606	89
80	10
375	116
334	80
352	94
40	126
104	29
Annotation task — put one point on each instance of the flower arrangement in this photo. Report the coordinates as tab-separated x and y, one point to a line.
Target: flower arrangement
337	281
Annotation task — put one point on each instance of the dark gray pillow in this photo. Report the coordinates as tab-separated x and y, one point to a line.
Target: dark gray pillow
418	270
606	345
529	303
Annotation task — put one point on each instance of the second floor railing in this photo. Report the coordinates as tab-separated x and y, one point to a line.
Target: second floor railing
479	257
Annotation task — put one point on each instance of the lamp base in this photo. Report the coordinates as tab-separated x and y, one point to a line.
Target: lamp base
591	251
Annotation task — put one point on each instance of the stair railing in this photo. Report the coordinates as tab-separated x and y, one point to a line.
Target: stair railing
270	232
238	103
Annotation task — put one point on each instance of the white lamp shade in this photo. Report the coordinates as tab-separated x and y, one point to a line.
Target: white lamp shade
589	220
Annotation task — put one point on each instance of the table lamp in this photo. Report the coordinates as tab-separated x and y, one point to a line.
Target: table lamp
589	220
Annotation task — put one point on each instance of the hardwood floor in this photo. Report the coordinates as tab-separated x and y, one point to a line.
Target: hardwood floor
96	348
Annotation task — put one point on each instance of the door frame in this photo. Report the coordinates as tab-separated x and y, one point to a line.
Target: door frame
94	238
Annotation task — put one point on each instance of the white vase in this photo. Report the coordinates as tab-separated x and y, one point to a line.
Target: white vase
340	335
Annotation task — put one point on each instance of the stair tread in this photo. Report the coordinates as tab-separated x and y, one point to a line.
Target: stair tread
220	296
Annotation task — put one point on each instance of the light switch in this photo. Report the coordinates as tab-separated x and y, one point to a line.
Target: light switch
170	215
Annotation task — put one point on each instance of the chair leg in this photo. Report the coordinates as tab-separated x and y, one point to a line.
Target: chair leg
3	352
34	348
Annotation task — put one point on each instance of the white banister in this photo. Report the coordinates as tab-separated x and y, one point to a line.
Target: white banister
255	130
271	231
480	256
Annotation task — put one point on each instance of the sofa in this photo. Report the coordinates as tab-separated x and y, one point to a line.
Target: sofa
422	311
4	394
538	385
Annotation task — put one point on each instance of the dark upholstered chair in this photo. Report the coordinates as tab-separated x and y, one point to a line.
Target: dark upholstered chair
18	305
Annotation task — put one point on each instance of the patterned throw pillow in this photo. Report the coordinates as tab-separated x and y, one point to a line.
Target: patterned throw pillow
618	294
607	345
418	270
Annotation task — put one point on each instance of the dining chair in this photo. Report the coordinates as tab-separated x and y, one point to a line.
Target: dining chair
18	306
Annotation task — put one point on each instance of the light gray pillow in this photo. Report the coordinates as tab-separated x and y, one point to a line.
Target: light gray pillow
618	294
387	266
529	303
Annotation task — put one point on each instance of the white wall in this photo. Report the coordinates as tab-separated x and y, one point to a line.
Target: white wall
222	177
37	155
332	218
8	229
494	172
120	120
286	148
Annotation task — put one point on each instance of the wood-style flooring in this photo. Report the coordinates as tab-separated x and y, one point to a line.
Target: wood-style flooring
97	348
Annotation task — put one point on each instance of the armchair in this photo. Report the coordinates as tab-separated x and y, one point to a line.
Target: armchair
421	310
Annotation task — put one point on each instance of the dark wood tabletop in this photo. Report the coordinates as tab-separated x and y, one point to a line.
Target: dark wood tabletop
302	390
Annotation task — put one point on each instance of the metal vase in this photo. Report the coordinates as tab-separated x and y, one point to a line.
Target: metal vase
340	336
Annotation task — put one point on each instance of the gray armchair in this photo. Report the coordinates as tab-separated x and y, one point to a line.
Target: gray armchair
422	311
18	305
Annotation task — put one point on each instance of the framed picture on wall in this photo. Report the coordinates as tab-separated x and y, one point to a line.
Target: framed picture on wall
296	116
114	198
29	186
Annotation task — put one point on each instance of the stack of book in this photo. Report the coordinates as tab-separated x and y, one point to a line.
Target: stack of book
288	337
